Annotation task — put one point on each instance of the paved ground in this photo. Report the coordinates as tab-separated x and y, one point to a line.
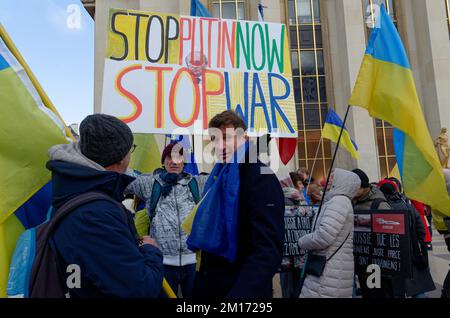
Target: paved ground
439	265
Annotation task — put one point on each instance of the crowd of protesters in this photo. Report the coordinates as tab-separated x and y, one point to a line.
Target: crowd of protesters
333	236
235	244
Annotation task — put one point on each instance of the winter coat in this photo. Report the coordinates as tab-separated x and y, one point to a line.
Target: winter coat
387	284
170	213
260	241
365	202
421	280
420	207
96	235
334	227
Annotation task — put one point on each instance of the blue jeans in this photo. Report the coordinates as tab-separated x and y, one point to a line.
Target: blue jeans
181	276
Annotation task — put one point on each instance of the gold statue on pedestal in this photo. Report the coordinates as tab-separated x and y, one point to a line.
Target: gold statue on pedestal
442	147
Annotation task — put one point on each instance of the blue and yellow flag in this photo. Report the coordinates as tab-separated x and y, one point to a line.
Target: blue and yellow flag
332	129
385	87
147	156
199	10
29	126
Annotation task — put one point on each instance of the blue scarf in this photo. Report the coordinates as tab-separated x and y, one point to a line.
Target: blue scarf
214	229
170	179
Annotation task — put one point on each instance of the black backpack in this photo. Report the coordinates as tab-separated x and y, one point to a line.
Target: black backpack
47	279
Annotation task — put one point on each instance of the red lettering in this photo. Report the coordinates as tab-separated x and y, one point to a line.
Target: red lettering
182	38
230	42
219	49
210	21
172	99
159	105
132	98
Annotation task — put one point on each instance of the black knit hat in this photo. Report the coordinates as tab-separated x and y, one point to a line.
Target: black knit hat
105	139
363	177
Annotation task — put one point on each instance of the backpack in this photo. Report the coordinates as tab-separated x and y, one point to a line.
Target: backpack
143	219
35	270
419	252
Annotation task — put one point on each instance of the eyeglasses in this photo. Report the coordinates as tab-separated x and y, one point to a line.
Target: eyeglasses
133	148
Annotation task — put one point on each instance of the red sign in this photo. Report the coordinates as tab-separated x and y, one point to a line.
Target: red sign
388	223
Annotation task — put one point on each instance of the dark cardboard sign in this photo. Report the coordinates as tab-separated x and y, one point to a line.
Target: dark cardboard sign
297	223
382	237
295	227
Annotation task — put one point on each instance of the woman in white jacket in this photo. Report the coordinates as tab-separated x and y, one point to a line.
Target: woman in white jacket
334	228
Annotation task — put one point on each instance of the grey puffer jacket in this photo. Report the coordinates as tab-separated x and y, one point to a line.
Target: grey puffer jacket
334	223
170	213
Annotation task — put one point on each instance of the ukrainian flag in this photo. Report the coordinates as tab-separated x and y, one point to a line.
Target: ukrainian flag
385	87
28	127
199	10
332	129
147	156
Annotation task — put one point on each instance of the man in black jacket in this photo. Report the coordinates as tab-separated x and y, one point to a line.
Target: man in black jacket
421	281
260	226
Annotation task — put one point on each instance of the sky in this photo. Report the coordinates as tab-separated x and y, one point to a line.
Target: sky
56	39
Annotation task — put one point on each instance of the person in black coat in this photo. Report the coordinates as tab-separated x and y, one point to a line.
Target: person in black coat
260	226
421	280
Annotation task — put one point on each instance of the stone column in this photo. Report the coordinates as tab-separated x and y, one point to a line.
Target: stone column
427	39
343	22
166	6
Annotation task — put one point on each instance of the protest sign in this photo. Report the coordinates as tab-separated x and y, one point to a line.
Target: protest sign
382	238
166	71
297	223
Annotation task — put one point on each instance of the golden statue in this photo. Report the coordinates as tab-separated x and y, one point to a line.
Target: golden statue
442	147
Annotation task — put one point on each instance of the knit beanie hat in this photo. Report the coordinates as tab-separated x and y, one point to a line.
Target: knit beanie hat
388	187
363	177
105	139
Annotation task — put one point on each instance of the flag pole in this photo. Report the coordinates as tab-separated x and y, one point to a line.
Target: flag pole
167	289
314	162
332	163
193	149
302	275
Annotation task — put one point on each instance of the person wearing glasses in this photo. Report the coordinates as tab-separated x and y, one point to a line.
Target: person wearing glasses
99	236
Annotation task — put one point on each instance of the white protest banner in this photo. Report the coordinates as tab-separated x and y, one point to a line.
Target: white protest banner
164	72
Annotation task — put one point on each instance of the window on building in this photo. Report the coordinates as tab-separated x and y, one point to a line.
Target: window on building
371	9
228	9
384	131
308	71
